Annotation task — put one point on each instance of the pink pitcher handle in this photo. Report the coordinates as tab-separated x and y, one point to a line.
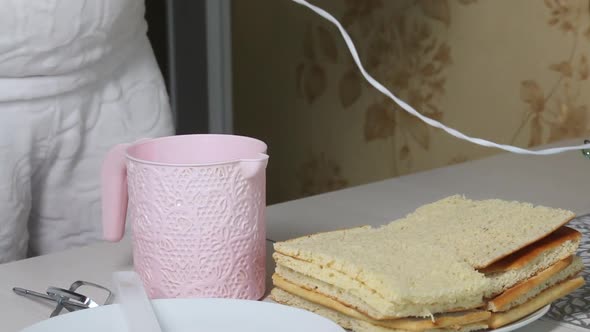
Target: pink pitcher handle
114	193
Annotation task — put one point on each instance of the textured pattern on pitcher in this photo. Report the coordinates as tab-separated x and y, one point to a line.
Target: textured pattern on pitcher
198	231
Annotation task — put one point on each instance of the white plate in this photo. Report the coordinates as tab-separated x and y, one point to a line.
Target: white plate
525	321
184	315
214	315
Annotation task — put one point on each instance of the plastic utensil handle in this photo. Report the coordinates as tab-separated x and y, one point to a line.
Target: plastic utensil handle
114	193
136	306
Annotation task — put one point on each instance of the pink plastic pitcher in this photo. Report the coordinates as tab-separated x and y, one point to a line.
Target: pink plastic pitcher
197	207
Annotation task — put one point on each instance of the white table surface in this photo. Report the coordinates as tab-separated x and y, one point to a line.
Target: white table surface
558	181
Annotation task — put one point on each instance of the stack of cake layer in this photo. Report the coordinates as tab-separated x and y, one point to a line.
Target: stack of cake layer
453	265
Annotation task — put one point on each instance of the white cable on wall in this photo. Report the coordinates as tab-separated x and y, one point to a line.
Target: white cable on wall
412	111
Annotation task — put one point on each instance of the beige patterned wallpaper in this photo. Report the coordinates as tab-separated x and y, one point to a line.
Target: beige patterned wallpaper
510	71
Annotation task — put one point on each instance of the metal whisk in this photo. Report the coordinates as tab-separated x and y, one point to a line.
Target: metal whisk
68	299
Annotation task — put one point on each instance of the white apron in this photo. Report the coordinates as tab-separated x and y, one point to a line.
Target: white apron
76	77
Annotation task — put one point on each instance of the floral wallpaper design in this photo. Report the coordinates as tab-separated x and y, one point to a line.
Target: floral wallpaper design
401	51
319	174
556	111
509	71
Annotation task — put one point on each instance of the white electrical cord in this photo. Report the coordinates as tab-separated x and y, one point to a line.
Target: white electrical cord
412	111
